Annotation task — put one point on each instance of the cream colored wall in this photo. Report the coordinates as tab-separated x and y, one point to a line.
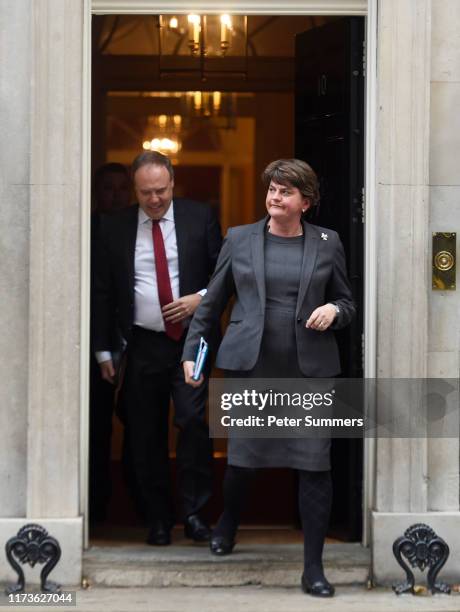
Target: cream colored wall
444	216
417	479
41	271
14	253
41	372
444	319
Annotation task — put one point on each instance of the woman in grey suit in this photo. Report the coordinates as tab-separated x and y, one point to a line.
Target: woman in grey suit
291	289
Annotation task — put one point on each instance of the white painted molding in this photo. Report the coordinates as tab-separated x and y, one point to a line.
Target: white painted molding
403	282
85	268
252	7
370	258
53	450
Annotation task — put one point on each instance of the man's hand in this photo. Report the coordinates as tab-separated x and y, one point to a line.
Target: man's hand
182	308
107	371
322	317
189	366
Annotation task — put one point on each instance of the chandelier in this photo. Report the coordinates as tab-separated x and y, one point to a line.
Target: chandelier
205	44
162	134
197	34
212	105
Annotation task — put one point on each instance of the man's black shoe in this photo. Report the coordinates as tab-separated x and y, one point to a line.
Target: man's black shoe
196	529
220	545
319	588
159	534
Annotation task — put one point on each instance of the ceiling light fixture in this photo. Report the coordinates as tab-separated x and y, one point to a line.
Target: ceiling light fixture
209	45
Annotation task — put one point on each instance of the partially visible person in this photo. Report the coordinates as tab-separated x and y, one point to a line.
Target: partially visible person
112	188
155	260
111	192
291	291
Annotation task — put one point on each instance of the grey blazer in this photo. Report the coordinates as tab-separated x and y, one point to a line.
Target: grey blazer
240	272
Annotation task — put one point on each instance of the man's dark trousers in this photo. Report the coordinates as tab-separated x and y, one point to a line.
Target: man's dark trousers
153	375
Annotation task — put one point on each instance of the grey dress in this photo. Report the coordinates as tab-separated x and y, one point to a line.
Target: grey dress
278	359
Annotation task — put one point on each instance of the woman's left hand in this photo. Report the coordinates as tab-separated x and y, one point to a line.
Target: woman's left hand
321	318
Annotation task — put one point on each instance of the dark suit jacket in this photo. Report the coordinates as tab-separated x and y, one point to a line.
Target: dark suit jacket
198	244
240	271
115	342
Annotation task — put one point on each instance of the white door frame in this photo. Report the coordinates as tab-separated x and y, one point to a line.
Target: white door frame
367	8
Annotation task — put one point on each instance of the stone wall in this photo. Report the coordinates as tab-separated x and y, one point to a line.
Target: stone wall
40	272
417	480
15	122
444	179
418	191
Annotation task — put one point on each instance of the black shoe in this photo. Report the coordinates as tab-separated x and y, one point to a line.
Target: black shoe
196	529
220	545
319	588
159	534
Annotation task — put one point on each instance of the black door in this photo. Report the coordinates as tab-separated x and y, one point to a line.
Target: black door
329	135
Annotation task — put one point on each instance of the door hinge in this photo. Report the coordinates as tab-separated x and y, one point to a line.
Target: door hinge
364	58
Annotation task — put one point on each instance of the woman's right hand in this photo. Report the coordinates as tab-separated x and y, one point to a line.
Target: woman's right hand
189	366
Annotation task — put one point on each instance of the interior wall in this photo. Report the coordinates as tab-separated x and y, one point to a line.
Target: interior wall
274	137
243	153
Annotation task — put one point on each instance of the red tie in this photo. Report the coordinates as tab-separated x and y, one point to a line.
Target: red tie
173	330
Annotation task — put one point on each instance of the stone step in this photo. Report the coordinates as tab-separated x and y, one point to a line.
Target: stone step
188	564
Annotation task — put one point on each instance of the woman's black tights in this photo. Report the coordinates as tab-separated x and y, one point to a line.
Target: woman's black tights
315	499
237	481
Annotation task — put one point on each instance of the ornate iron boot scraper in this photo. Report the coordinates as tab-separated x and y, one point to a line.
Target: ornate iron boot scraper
422	548
33	545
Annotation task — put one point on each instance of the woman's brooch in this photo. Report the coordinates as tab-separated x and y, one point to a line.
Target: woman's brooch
323	236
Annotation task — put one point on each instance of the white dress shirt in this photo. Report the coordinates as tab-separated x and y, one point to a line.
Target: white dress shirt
147	309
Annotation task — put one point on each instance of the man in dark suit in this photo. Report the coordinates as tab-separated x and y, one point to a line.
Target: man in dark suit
154	262
112	191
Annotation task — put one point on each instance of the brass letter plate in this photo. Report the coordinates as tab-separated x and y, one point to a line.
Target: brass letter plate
444	261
